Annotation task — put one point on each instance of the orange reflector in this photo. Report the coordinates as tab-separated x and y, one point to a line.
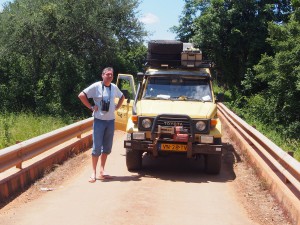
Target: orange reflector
213	122
134	118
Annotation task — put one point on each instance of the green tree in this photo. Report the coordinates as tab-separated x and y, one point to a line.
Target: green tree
51	49
281	74
232	33
256	47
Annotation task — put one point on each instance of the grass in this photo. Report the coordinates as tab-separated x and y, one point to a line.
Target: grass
23	126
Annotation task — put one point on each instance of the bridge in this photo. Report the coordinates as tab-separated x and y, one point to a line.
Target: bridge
172	191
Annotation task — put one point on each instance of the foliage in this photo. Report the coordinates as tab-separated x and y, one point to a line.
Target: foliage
281	74
256	48
231	33
50	50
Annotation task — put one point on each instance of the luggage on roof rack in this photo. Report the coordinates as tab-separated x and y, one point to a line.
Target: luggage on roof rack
191	57
164	52
163	47
174	54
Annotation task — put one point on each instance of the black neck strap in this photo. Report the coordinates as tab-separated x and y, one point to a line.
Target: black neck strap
109	90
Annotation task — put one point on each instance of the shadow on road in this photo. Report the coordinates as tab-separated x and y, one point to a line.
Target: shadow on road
178	168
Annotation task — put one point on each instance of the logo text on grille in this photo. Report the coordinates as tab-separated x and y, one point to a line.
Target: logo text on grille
167	123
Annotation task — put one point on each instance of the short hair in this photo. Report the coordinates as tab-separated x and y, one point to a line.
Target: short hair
107	69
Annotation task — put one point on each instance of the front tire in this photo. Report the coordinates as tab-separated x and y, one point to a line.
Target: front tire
133	160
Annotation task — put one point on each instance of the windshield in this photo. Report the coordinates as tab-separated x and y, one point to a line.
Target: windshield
179	88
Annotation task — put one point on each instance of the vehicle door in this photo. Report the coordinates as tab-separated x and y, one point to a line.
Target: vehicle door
125	83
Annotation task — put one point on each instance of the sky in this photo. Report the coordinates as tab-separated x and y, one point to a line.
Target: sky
158	17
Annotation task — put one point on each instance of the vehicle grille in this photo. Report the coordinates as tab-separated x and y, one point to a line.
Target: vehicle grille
173	120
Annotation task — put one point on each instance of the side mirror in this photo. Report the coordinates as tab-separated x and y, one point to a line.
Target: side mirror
220	97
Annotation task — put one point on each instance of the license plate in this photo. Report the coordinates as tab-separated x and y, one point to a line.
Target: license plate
173	147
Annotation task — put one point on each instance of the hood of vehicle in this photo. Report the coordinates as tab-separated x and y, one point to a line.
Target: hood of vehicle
191	108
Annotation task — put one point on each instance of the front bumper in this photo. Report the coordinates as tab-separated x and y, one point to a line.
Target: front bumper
155	148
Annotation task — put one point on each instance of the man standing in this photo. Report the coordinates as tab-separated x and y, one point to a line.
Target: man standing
103	94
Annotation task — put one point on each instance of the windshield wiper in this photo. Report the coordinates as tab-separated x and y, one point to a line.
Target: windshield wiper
186	98
156	98
195	99
150	97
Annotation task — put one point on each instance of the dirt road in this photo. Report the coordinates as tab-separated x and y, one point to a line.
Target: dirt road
169	191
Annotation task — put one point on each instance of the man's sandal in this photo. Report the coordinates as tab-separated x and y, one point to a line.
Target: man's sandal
92	179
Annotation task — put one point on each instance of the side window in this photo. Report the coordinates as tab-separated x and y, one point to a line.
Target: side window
126	84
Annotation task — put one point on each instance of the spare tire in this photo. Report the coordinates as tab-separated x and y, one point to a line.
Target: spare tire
169	47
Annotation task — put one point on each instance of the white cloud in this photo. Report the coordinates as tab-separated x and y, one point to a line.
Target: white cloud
149	18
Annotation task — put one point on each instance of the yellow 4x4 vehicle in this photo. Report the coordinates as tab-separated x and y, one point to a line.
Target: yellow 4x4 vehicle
173	111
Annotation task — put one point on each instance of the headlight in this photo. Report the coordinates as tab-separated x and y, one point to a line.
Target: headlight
200	126
146	123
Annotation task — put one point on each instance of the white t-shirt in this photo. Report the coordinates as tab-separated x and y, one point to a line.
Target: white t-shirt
96	92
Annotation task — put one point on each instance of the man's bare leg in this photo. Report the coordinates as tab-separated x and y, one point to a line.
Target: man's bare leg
94	165
103	158
102	175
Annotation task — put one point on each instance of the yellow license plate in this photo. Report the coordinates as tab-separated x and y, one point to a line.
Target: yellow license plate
173	147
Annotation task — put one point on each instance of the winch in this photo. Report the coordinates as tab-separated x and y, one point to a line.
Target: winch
177	133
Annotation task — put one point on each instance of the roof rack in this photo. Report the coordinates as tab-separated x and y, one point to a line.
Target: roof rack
180	64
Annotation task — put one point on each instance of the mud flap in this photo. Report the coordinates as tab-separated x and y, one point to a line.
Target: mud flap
189	150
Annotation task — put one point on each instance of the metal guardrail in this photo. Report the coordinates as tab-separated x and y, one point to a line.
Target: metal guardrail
16	154
281	170
282	161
